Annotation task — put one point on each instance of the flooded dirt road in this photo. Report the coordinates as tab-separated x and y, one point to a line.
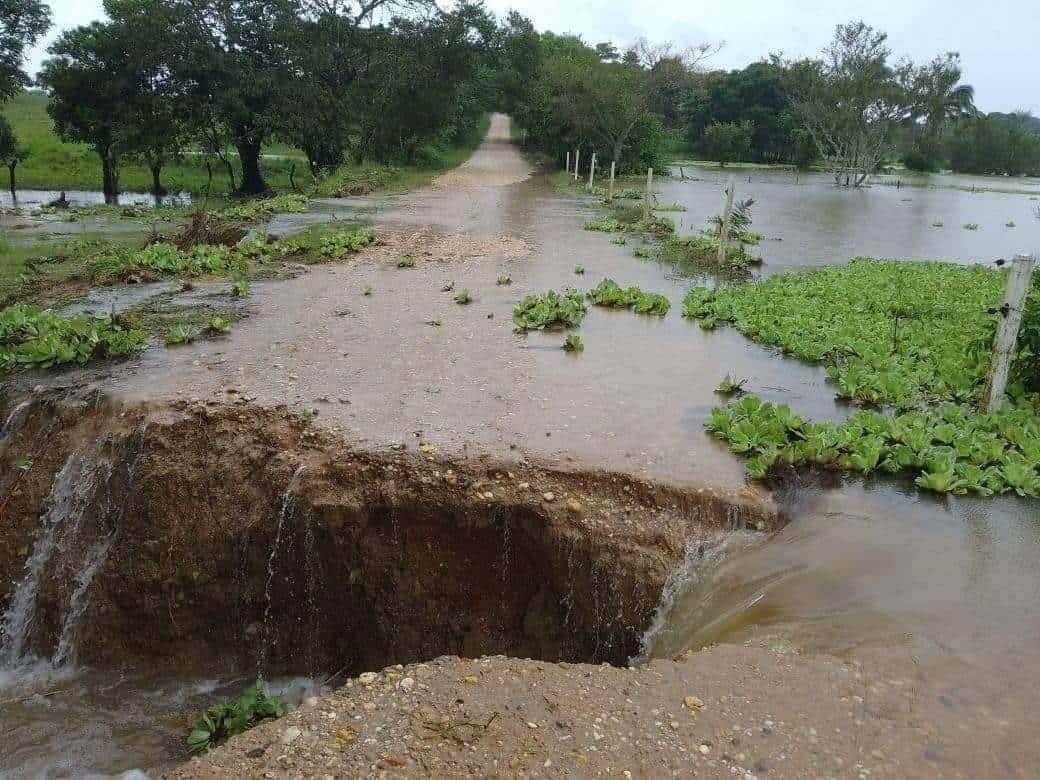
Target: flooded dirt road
931	601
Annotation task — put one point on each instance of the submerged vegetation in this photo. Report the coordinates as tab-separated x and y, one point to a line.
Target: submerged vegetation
912	337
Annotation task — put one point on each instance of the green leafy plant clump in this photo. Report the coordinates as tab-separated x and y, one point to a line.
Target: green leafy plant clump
703	251
341	243
610	293
265	208
503	280
226	719
891	333
463	298
406	260
33	336
573	343
550	310
950	448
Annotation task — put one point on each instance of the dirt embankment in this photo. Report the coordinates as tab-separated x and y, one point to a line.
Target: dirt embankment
239	536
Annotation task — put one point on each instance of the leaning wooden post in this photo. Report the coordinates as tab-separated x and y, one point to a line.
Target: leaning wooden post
727	213
568	168
610	190
1007	330
649	192
577	157
592	171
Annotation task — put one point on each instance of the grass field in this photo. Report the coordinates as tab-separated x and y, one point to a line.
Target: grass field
54	164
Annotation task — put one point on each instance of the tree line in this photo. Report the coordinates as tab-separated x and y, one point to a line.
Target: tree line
390	80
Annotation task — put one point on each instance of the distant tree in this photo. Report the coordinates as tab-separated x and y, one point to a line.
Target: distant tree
155	107
939	100
668	80
607	52
233	59
11	153
760	94
1001	144
520	57
22	23
726	142
850	102
89	75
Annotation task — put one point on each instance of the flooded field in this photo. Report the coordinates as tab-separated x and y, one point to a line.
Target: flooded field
34	199
871	572
808	222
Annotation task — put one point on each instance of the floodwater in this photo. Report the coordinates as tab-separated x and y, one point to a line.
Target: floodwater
808	222
34	199
85	723
872	571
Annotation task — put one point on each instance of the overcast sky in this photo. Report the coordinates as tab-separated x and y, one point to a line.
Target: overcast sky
996	39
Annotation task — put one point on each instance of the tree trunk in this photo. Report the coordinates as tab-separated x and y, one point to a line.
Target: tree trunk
10	172
252	180
109	176
157	189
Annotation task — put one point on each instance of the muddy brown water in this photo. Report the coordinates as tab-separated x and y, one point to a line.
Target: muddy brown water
945	588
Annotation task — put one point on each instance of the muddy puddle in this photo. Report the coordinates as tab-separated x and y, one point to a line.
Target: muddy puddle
807	222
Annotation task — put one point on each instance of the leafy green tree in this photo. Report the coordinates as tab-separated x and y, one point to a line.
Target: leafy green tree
87	75
726	142
11	152
234	62
939	100
851	101
22	23
1001	144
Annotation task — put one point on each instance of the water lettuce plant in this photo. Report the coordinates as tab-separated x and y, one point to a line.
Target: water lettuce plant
503	280
539	312
950	448
33	336
341	243
891	333
463	297
610	293
226	719
730	386
407	260
573	343
702	251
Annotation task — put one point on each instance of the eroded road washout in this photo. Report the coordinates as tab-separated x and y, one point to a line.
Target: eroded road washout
213	533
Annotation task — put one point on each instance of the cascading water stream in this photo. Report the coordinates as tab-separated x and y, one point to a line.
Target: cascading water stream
698	557
70	497
286	508
84	482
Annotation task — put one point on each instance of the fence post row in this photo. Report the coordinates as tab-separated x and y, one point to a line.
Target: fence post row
577	157
592	170
610	190
1006	338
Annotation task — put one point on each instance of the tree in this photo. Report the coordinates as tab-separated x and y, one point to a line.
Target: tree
156	110
727	141
88	76
22	23
939	100
234	62
851	101
1003	144
11	153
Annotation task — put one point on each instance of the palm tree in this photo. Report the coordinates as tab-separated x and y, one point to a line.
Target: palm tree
939	98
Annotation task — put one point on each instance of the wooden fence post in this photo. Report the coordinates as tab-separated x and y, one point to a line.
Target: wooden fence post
577	157
1007	330
592	171
727	213
649	192
568	168
610	191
